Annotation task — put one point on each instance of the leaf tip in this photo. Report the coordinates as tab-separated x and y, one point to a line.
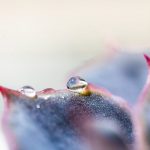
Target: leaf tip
147	58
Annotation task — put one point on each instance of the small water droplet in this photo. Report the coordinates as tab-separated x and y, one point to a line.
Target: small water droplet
45	97
28	91
77	84
62	97
38	106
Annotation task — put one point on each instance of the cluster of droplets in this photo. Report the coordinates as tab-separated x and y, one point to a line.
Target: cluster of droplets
75	84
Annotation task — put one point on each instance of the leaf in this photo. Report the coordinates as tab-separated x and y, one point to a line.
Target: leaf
123	75
63	119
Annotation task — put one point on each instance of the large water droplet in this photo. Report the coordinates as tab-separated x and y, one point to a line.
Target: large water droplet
28	91
77	84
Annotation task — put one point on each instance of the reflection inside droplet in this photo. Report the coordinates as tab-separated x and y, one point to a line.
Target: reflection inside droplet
77	84
28	91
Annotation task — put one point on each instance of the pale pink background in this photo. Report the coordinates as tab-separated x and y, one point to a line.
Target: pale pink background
42	40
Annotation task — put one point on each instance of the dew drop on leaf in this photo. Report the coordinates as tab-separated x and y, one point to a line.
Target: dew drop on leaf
28	91
78	85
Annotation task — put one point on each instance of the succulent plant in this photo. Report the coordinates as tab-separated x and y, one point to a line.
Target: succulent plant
107	110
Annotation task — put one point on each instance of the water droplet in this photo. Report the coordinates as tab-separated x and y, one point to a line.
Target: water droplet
77	84
63	97
38	106
28	91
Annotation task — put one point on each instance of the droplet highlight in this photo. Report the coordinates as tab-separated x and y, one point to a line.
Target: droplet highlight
38	106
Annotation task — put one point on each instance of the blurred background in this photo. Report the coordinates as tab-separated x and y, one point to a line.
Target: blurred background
41	41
